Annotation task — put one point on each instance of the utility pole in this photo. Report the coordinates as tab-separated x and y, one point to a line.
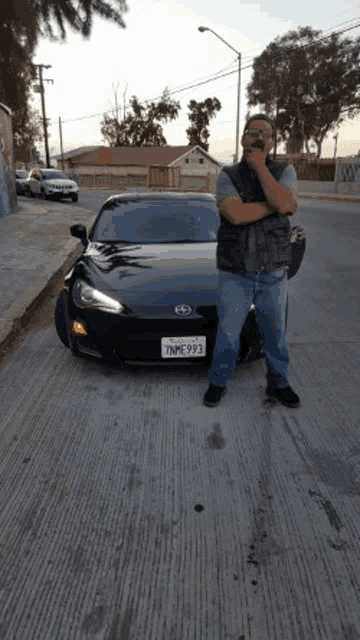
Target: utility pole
124	94
335	137
238	108
61	145
40	89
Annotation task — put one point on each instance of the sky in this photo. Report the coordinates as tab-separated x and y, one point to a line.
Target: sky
160	47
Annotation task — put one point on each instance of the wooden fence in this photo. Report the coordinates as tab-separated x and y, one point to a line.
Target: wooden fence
110	180
309	167
157	179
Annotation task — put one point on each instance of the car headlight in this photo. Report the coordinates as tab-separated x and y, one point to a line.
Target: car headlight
86	297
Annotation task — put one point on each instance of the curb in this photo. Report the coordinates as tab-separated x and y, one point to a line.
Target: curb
15	318
330	197
21	310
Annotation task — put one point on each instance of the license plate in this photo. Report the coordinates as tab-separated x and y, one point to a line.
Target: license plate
187	347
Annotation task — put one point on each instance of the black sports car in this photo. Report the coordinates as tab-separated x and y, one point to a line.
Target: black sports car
144	289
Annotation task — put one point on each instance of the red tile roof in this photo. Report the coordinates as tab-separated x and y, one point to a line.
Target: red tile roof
131	156
140	156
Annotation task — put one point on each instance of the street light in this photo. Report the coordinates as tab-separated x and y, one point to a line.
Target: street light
202	29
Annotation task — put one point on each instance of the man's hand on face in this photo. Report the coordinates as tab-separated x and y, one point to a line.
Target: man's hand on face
255	158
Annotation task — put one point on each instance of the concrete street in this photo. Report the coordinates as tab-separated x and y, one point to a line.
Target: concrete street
132	512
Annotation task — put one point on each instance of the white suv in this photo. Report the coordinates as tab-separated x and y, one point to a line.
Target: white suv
51	183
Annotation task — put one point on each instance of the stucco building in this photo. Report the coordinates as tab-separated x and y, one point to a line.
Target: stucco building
182	167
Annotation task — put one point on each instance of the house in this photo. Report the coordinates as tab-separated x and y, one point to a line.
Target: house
181	168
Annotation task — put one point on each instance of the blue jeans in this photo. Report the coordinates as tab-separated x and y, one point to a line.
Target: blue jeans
236	293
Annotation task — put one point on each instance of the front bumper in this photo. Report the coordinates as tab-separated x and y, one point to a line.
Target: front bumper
58	194
138	340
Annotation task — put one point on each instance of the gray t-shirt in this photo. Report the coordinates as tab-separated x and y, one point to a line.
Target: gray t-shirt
225	188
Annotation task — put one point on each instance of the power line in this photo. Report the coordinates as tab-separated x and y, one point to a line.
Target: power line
250	66
185	88
223	75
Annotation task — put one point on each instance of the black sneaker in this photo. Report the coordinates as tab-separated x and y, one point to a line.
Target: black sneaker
286	396
213	395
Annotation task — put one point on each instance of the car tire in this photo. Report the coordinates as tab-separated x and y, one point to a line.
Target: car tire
29	193
44	195
60	320
75	198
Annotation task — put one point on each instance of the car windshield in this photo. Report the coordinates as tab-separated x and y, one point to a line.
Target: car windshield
156	221
21	174
54	175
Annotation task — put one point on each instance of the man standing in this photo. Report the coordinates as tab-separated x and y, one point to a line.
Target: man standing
255	198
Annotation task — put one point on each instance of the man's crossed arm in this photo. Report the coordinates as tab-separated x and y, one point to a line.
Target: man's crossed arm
279	198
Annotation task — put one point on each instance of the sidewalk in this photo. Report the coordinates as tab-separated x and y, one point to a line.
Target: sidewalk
36	249
319	190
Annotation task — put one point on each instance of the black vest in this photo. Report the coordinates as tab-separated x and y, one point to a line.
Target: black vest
272	234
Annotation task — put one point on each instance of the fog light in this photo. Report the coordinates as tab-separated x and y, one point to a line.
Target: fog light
79	328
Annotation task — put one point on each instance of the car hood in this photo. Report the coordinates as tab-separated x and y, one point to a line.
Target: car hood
60	182
159	275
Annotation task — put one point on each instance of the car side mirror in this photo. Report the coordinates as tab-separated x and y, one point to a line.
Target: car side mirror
79	231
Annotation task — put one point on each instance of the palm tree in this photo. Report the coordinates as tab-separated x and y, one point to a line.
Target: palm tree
23	22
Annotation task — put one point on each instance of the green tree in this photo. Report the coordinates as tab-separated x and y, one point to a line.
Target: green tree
17	43
23	22
307	84
16	76
27	131
142	126
200	116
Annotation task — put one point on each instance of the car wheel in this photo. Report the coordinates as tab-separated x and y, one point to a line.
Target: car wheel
29	193
75	198
44	195
60	321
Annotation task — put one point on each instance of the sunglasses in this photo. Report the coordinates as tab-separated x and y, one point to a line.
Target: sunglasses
254	133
